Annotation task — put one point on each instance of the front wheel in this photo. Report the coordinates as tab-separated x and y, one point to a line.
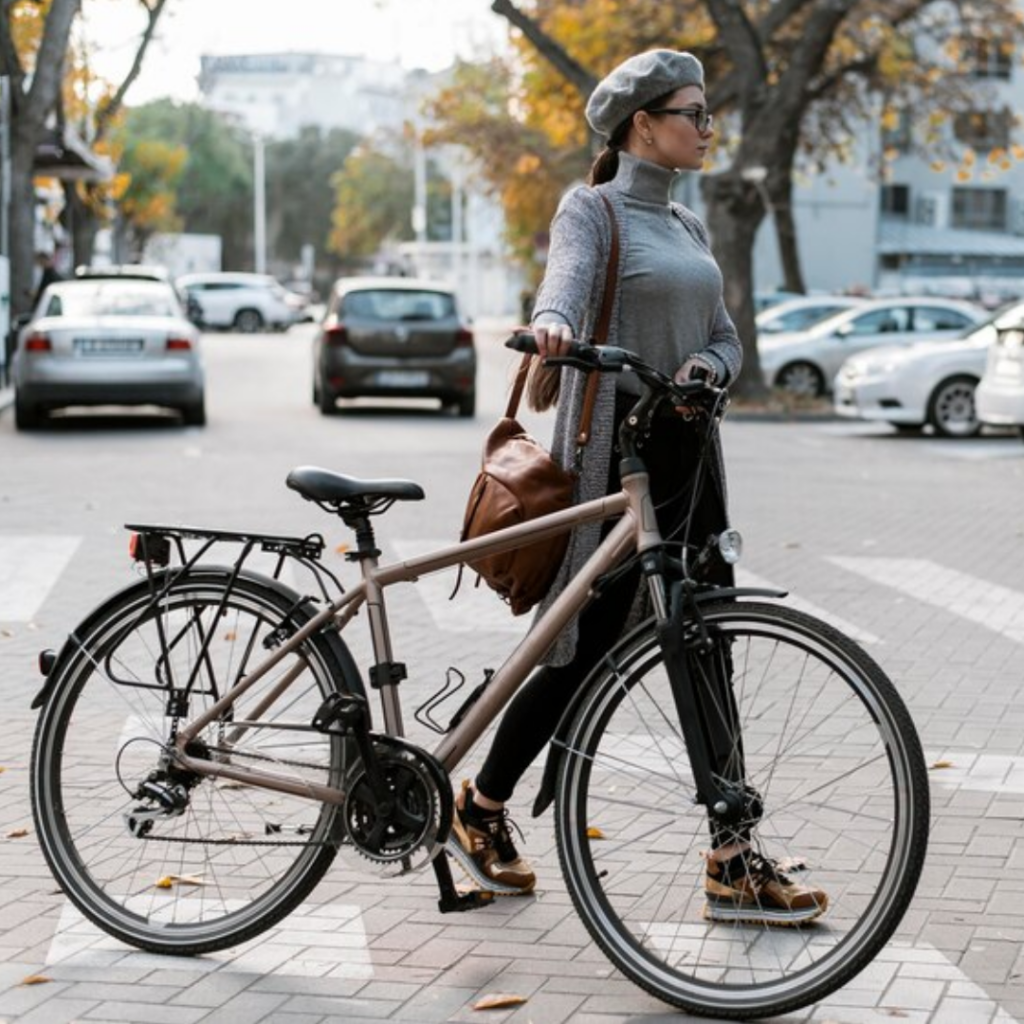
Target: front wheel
951	408
830	749
219	861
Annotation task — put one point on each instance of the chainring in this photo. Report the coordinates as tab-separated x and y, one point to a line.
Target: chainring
421	815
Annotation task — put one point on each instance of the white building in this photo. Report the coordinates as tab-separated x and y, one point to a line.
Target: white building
931	225
275	94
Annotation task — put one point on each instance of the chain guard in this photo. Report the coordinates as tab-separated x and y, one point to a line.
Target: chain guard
422	816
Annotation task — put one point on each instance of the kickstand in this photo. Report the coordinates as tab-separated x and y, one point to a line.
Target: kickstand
451	899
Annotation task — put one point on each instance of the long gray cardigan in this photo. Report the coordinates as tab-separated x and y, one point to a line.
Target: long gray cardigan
572	289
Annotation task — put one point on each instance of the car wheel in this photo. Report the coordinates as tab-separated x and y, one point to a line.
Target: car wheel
466	405
951	408
326	399
26	415
801	379
194	415
248	321
1021	429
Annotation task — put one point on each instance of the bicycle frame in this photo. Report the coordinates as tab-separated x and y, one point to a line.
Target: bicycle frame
636	531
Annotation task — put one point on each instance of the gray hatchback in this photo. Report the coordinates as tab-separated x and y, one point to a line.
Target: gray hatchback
108	342
395	337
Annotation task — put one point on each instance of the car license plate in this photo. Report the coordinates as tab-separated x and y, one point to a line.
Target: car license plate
403	378
108	346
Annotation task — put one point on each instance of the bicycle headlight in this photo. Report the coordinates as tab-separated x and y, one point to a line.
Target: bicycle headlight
730	546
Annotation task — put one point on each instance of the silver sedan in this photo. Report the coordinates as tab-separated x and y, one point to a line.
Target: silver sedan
108	342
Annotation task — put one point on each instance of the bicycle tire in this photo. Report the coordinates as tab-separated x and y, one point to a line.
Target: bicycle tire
239	858
831	748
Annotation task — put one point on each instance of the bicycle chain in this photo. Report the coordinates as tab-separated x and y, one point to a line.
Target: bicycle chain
241	842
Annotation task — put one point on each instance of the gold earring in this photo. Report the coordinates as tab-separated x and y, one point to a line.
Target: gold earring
650	142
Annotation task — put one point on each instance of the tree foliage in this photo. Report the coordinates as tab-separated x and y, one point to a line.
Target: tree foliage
788	80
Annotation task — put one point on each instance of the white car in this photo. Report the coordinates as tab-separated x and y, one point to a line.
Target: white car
806	362
928	382
802	313
243	302
1000	396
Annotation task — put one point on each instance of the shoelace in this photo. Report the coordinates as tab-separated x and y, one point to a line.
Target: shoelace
501	835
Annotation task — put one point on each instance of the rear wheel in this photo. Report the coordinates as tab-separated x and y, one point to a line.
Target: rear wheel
27	415
249	321
832	753
194	415
466	405
220	861
951	408
801	379
326	400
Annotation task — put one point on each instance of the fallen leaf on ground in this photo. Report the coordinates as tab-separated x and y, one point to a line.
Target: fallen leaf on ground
230	635
897	1013
17	833
35	979
594	833
942	764
169	880
2	769
498	1001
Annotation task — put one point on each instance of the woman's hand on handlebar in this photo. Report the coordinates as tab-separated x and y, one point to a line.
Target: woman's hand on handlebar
692	370
552	339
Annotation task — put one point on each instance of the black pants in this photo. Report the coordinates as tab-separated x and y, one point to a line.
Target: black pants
671	455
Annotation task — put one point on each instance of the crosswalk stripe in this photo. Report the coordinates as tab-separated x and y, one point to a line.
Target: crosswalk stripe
988	604
29	569
863	636
313	941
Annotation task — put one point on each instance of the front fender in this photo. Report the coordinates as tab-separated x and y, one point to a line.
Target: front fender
556	748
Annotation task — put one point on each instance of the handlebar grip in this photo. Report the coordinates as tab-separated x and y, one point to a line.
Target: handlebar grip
522	341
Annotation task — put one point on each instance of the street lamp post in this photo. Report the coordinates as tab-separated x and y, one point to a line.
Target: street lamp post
259	203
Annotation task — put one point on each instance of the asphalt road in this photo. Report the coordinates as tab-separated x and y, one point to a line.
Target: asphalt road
915	545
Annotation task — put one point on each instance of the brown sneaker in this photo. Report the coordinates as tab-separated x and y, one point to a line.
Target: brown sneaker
751	889
482	844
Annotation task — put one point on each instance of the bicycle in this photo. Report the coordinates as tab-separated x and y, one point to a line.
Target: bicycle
205	745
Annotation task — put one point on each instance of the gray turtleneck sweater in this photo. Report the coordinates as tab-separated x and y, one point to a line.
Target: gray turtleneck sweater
668	305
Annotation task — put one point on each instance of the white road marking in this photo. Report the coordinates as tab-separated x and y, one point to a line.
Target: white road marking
328	941
475	609
30	567
971	770
749	579
988	604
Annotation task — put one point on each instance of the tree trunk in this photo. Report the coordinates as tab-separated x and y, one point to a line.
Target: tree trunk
81	224
22	224
785	232
733	212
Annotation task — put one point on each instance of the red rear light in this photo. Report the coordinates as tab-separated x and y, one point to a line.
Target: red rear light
179	344
38	342
464	338
335	337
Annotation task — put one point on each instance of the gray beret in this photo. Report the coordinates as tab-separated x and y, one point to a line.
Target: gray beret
637	81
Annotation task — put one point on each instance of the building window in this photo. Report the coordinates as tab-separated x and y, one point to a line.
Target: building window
987	58
895	200
983	129
983	209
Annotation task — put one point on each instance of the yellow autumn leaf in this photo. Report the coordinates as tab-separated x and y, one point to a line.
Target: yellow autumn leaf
163	883
17	833
963	175
594	833
942	764
498	1001
230	635
938	165
35	979
890	119
1018	152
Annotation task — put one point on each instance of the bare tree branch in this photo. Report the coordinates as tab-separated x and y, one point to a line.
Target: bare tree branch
49	63
739	37
105	116
10	62
570	69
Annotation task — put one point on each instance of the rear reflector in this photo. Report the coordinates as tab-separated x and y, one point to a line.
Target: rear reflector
37	343
336	336
464	338
179	344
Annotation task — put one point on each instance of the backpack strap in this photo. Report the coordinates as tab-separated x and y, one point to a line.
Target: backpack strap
603	324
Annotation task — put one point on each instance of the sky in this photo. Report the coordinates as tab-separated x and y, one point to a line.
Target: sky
415	33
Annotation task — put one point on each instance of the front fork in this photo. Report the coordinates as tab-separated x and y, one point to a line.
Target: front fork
699	669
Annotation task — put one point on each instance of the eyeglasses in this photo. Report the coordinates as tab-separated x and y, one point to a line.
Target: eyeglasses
697	116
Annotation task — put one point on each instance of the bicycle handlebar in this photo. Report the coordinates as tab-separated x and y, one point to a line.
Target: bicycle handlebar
613	359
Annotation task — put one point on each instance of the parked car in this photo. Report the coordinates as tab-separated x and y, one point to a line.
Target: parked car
766	299
806	362
394	336
143	272
243	302
927	382
802	313
1000	395
107	341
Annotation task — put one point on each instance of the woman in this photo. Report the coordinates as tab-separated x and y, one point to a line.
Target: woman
668	306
